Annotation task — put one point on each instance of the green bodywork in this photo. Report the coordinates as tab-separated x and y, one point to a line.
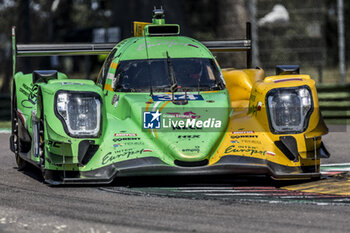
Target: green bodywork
36	101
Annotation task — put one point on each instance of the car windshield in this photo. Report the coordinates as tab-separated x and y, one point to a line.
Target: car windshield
191	74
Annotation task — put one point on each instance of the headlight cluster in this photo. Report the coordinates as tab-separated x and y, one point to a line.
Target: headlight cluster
81	113
289	109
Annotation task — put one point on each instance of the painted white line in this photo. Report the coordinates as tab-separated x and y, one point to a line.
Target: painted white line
335	164
276	202
235	194
323	203
340	169
210	191
206	188
296	197
5	131
330	173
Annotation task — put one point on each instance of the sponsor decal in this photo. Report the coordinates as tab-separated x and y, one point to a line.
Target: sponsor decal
251	151
259	106
244	136
270	153
125	139
115	100
188	136
247	147
152	120
243	132
147	150
133	143
117	145
254	109
192	150
185	115
110	76
251	141
125	135
287	79
252	98
112	156
24	92
192	123
168	97
234	141
31	93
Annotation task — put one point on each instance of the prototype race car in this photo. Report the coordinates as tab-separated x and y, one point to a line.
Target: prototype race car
162	106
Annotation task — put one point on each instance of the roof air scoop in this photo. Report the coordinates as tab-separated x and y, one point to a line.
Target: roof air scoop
158	26
287	69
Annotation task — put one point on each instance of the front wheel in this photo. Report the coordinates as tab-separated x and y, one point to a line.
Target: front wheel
21	163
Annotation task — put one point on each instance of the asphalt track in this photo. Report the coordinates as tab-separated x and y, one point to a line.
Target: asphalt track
218	204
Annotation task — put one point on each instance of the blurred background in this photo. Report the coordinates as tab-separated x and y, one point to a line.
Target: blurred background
314	34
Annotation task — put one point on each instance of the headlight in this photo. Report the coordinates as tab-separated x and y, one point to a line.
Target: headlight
81	113
289	109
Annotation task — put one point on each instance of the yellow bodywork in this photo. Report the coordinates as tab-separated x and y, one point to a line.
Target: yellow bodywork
249	133
139	28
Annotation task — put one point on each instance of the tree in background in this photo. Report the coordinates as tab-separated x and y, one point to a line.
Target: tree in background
8	17
73	21
232	16
125	12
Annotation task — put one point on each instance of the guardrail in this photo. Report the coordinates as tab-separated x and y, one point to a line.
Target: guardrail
334	102
5	107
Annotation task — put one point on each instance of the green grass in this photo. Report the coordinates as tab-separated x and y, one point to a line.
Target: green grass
5	124
337	121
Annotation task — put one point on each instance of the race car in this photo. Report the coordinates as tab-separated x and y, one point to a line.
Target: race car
163	106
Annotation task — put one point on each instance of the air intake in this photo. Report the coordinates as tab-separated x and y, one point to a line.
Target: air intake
191	164
163	30
287	69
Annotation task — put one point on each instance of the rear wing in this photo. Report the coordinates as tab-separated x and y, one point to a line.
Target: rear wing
78	49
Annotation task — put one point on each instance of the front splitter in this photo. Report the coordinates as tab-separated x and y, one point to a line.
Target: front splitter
152	166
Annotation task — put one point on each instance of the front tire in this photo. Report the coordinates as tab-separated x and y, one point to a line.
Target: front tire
21	163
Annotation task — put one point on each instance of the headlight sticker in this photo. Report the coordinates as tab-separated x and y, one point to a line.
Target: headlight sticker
289	109
80	112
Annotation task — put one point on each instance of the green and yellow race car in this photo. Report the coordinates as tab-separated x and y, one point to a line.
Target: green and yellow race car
163	106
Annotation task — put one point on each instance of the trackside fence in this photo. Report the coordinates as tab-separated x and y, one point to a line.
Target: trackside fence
334	103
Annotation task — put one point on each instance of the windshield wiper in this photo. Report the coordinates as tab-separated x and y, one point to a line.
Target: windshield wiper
173	86
173	81
149	69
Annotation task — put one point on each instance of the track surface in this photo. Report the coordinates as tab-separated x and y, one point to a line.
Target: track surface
28	205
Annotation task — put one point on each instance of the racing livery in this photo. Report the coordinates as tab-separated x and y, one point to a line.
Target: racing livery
163	106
